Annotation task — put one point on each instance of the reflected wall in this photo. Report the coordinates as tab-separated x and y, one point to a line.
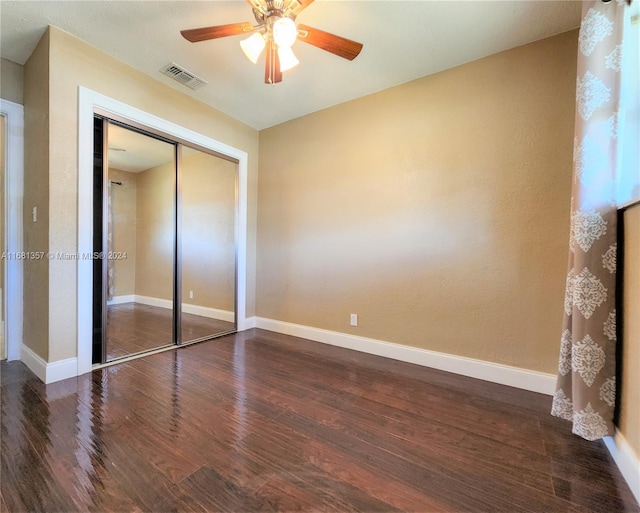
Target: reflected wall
207	237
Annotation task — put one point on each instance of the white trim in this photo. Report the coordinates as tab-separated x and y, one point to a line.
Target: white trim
62	369
203	311
14	193
496	373
49	372
153	301
211	313
626	460
37	365
87	101
119	300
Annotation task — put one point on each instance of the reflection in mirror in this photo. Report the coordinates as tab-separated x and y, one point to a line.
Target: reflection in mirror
207	237
3	353
139	213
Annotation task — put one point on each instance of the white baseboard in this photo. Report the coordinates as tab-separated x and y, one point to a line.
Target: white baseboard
3	353
118	300
626	460
153	301
37	365
49	372
211	313
202	311
503	374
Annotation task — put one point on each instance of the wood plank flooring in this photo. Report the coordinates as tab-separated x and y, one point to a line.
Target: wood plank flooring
134	327
264	422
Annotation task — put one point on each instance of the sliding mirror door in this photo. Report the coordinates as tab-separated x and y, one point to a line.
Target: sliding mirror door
165	217
139	224
207	245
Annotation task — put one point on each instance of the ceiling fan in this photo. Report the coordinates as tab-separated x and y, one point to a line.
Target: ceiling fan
276	31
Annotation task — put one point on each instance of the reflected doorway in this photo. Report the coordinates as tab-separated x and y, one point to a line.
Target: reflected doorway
164	242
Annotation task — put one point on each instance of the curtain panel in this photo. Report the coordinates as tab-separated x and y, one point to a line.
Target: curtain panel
586	387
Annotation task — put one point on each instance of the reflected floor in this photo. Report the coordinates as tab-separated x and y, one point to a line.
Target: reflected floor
134	327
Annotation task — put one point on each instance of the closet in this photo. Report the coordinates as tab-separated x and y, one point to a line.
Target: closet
164	241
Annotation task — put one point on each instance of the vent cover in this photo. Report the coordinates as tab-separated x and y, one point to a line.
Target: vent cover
183	76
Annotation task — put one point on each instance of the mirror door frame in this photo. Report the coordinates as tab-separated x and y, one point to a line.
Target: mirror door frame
90	103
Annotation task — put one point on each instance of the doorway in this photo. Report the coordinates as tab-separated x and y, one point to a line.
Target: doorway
164	241
11	223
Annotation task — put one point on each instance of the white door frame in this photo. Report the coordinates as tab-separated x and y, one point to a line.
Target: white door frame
14	193
88	101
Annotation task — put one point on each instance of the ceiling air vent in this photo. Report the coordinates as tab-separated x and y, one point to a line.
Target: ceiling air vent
183	76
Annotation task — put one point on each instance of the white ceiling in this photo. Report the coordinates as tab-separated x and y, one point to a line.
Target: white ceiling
403	40
134	152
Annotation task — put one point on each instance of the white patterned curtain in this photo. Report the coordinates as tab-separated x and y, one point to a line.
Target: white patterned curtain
586	386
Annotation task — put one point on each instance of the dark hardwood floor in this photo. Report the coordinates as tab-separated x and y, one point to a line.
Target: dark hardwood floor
134	327
263	422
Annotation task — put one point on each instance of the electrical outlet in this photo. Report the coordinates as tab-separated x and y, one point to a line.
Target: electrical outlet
191	294
354	319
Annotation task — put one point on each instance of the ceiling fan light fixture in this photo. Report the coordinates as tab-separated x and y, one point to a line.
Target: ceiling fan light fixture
275	32
253	46
287	58
284	32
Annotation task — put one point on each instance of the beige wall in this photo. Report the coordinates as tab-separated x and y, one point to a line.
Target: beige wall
78	64
155	232
2	248
208	217
208	250
124	212
11	81
629	423
36	194
2	211
437	210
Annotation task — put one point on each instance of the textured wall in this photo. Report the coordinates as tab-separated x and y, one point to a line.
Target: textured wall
437	210
155	232
2	176
36	194
630	391
208	215
2	247
11	81
123	204
208	250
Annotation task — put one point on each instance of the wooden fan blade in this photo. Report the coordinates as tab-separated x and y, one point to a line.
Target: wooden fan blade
337	45
302	4
272	73
206	33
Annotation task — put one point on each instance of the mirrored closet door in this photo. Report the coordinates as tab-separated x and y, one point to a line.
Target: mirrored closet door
207	245
164	242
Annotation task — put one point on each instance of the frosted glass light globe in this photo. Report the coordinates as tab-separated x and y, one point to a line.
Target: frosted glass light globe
285	32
